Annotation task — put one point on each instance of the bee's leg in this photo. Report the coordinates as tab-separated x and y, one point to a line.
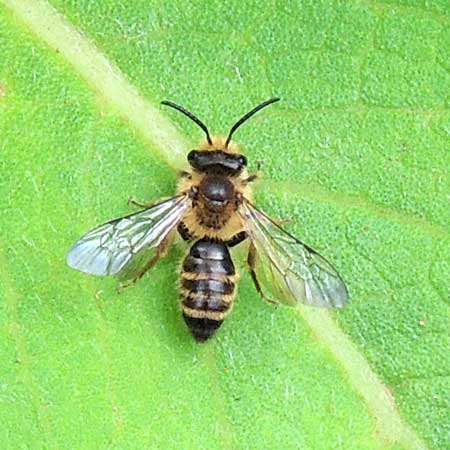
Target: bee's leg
254	176
183	231
236	239
251	178
161	251
251	259
133	201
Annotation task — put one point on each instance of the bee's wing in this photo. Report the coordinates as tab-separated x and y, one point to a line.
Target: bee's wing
289	269
118	246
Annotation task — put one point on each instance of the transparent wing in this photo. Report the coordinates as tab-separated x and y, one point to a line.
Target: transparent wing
290	270
120	246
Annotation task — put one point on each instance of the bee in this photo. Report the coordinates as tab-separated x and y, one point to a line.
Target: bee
213	211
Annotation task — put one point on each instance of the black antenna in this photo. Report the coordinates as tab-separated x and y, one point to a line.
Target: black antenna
191	116
247	116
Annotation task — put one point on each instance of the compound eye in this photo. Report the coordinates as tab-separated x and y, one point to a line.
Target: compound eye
242	161
192	157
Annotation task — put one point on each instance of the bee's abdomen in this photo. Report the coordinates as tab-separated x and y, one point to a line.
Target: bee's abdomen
207	287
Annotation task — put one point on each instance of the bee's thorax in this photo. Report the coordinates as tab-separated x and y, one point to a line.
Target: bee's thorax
216	191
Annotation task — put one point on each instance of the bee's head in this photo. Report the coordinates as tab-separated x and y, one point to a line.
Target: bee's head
217	152
206	160
215	156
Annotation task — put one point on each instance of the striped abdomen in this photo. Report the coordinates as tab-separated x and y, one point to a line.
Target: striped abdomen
207	287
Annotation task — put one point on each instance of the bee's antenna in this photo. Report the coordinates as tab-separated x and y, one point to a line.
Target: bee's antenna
247	116
191	116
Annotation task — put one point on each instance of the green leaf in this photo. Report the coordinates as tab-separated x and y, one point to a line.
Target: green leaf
356	156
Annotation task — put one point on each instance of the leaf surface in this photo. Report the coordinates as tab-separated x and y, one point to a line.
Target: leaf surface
356	155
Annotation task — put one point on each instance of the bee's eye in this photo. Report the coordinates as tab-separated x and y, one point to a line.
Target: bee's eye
192	156
242	161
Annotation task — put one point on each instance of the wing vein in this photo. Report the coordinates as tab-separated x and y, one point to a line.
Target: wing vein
288	268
